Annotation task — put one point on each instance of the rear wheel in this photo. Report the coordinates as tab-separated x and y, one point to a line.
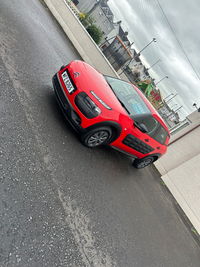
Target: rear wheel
142	163
97	137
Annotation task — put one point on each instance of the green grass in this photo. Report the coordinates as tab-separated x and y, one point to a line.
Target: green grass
42	2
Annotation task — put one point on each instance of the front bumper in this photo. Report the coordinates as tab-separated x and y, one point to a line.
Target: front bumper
65	105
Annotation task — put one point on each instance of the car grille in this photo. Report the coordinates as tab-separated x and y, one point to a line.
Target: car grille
136	144
59	92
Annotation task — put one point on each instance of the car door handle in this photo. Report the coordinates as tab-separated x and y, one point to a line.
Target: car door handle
147	140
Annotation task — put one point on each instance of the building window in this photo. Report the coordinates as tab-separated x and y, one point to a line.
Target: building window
76	2
104	47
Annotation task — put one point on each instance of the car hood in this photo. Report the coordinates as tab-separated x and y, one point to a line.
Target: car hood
90	79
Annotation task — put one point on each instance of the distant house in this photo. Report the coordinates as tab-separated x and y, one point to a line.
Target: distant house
101	12
138	67
115	43
138	70
104	19
84	5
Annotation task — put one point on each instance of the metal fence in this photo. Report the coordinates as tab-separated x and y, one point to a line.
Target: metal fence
117	53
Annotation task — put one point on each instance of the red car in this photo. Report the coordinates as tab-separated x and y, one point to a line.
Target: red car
109	111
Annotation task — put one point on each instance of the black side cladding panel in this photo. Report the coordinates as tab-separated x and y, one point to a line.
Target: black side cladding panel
136	144
81	105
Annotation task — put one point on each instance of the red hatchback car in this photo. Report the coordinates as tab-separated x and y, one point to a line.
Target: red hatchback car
109	111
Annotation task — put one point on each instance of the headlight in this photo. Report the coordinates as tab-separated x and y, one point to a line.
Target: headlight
100	100
92	106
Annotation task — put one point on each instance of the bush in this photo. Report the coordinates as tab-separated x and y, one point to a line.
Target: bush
86	19
83	20
95	33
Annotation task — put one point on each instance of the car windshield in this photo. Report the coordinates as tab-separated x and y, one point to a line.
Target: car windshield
127	96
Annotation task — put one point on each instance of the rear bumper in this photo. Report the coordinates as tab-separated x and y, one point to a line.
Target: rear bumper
65	105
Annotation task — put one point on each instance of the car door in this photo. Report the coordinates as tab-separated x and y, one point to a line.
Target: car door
156	135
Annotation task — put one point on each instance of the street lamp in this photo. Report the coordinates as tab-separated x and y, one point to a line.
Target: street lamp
153	64
171	99
167	96
195	105
154	40
174	106
178	109
162	79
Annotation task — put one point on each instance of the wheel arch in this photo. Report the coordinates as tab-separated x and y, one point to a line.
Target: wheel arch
116	128
156	156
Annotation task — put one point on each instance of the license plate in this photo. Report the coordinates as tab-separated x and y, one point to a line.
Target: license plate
67	82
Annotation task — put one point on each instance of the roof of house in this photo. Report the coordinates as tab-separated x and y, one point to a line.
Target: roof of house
107	11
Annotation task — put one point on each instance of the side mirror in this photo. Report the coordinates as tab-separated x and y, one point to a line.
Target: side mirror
140	127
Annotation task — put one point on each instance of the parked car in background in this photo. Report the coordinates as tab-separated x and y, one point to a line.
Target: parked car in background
109	111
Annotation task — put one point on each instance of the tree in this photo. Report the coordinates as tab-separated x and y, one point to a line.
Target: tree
95	33
128	69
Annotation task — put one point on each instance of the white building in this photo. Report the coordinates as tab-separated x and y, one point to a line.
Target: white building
139	68
103	17
85	5
100	11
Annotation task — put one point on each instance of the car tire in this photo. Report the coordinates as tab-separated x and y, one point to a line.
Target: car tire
97	137
142	163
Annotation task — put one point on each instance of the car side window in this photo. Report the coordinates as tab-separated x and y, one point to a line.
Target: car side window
160	135
151	123
155	129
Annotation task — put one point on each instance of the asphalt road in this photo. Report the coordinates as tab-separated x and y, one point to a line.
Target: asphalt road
62	204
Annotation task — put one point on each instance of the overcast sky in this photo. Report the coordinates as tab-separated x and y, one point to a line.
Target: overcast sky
144	20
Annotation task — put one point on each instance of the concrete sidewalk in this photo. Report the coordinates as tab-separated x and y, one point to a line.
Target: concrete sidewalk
180	168
184	188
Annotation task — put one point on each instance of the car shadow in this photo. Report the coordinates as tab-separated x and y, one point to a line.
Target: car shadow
58	114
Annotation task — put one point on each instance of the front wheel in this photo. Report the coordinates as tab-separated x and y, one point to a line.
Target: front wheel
142	163
97	137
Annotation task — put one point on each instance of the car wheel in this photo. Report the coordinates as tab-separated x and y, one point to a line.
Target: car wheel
142	163
97	137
